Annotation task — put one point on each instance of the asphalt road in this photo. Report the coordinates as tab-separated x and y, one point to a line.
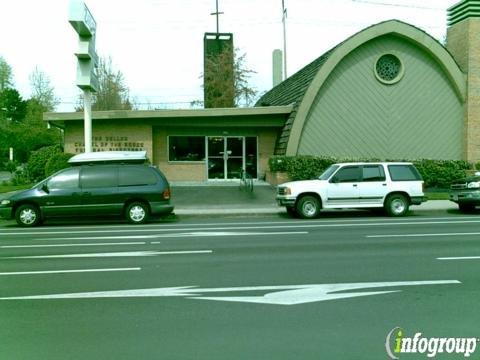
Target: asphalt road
238	288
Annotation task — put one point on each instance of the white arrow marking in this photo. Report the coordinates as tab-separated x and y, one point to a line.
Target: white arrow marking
286	294
112	254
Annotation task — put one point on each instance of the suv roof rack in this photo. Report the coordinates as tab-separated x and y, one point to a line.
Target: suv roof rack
109	157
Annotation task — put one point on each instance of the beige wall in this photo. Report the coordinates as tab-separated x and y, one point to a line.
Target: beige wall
463	41
118	136
196	171
110	137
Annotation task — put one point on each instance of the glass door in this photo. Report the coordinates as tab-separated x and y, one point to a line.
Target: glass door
234	157
228	155
216	157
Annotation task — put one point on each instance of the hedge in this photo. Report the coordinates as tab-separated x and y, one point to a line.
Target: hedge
435	173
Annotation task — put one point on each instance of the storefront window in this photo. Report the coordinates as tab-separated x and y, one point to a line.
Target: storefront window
186	148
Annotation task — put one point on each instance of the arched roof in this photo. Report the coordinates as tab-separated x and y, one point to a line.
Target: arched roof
319	70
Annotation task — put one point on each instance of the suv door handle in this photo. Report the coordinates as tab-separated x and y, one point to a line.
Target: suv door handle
354	185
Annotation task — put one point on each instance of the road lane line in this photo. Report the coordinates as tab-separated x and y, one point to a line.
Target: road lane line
422	235
67	271
296	221
113	254
285	226
460	258
71	245
132	237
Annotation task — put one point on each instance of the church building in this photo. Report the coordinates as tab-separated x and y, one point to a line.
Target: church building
391	91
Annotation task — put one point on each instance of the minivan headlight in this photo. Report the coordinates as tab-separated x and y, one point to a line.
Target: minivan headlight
473	185
5	202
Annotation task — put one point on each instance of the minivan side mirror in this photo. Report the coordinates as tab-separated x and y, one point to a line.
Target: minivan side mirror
45	187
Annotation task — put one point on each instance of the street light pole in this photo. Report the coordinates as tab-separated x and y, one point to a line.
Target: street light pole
87	109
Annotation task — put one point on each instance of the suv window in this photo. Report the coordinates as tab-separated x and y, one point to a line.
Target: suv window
136	176
67	179
348	174
404	173
373	173
99	177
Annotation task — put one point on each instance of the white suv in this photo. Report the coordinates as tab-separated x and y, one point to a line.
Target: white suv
391	186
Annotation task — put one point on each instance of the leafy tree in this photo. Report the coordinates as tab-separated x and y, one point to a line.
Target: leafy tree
42	91
37	163
12	106
6	75
112	93
219	69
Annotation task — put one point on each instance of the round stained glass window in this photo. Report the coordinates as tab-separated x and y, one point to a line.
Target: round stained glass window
388	69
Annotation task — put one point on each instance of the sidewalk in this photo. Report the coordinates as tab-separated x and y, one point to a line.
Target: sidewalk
230	199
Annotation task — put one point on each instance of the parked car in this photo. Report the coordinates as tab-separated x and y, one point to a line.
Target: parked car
112	183
391	186
466	193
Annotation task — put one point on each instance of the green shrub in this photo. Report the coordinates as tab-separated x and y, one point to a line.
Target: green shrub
435	173
38	161
57	162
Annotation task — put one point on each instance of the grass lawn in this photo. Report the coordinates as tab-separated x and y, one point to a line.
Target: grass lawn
8	188
437	195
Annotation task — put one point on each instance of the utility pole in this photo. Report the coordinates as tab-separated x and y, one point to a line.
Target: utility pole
284	20
217	13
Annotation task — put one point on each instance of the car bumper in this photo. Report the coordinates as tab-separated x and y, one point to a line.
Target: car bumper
6	213
161	208
286	201
466	197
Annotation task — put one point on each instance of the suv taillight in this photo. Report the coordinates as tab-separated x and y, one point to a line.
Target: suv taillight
166	194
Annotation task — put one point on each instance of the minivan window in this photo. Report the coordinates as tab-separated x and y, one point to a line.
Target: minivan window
136	176
99	177
404	173
67	179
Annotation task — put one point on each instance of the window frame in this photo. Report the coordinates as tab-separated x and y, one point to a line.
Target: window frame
187	161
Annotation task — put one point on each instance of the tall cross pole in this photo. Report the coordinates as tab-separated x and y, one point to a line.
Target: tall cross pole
216	13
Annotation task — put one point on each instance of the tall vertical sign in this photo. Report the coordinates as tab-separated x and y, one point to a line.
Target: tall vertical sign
84	24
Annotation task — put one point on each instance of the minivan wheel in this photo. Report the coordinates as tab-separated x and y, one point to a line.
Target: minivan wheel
308	207
137	213
27	215
397	205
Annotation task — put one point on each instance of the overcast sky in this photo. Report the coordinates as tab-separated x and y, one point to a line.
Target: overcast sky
158	44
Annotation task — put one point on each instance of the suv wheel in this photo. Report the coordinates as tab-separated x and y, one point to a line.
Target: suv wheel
308	207
137	213
397	205
27	215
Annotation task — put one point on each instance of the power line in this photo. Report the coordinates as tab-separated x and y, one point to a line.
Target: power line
398	5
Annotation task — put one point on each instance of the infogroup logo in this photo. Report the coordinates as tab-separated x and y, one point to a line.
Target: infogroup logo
397	343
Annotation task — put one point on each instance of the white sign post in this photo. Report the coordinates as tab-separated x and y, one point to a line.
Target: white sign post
84	24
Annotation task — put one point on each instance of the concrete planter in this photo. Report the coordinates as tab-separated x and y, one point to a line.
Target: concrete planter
277	177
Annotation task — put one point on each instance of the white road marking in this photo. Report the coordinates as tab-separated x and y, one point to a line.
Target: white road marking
131	237
460	258
277	295
112	254
66	271
296	221
422	235
67	245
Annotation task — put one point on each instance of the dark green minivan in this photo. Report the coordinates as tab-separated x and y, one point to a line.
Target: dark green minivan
135	191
